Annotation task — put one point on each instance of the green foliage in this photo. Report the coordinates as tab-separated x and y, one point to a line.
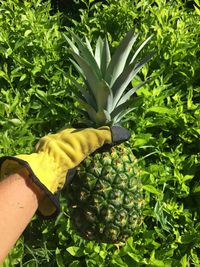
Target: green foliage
32	88
165	125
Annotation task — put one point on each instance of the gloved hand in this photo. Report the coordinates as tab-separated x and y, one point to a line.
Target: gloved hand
56	154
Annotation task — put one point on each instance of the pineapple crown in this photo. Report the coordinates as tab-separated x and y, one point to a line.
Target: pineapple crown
104	96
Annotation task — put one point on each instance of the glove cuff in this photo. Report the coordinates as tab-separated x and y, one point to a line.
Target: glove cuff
49	207
119	134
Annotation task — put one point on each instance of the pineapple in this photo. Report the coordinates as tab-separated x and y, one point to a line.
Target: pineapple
105	197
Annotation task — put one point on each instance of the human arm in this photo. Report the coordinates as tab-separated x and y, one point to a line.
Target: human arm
19	200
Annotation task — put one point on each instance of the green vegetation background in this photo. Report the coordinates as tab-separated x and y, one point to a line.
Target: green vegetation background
36	98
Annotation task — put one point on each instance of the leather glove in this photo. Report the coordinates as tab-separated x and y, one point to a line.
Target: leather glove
56	154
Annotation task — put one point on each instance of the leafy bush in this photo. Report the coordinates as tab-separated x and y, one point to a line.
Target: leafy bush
36	98
32	87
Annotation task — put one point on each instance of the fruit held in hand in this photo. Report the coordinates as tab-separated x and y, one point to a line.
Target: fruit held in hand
105	196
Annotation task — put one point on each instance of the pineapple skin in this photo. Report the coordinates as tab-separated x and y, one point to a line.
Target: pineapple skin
105	197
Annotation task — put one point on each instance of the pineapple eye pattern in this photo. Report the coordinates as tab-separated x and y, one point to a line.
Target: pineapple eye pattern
112	209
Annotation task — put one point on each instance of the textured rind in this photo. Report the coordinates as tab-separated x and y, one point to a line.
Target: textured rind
105	197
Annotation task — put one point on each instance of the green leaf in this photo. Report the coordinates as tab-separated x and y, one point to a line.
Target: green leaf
23	77
130	92
75	251
26	62
88	97
78	68
155	262
125	78
15	255
73	47
100	88
9	51
120	56
197	10
4	75
151	189
184	261
27	32
89	46
118	118
86	54
59	259
140	48
123	107
142	139
98	51
104	97
197	2
134	256
105	59
90	110
88	71
161	110
117	261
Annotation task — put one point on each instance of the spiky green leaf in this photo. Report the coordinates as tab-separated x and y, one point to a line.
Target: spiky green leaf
140	48
82	74
120	56
87	96
121	115
89	73
71	44
104	97
119	109
98	51
126	77
110	101
100	89
90	110
105	58
107	115
107	78
87	55
130	92
78	68
89	46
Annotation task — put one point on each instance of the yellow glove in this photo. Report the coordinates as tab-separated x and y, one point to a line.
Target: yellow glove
56	154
